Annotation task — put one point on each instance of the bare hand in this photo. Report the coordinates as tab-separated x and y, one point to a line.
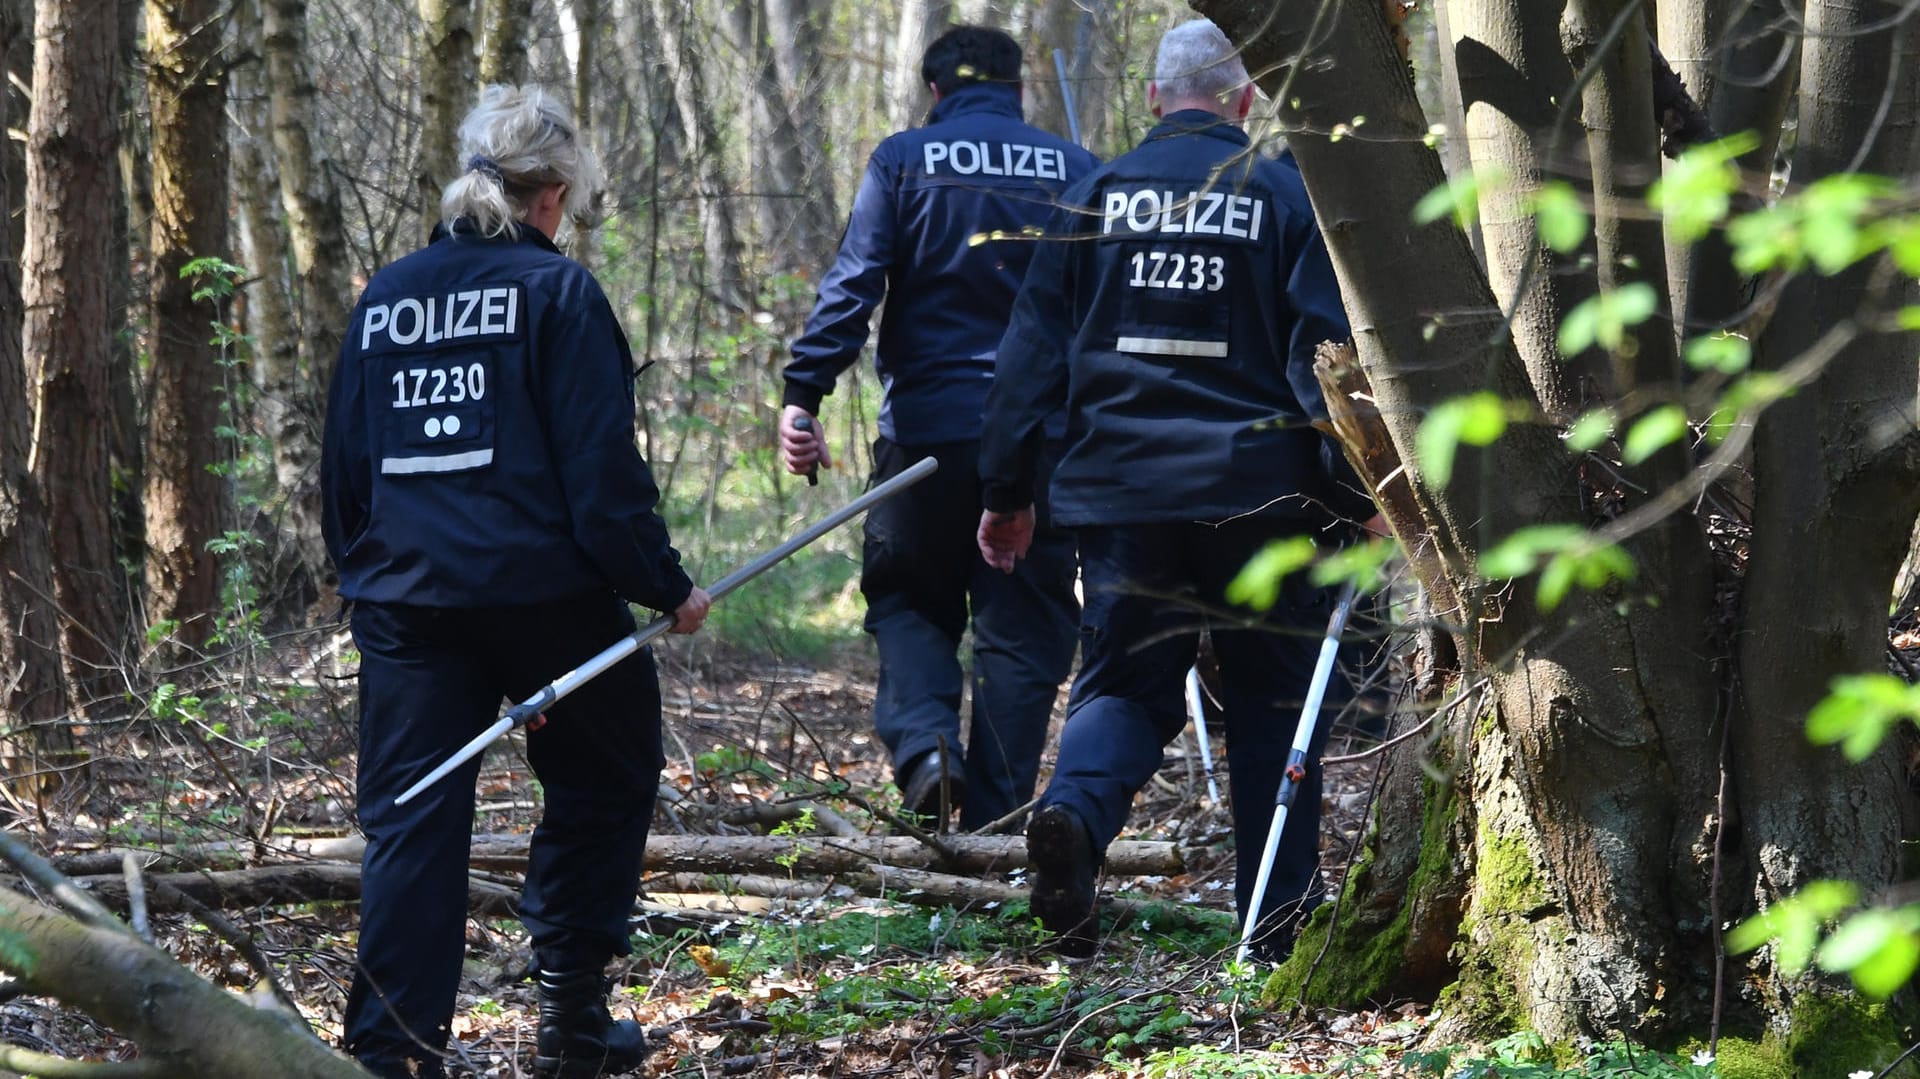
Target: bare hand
1005	537
801	450
692	612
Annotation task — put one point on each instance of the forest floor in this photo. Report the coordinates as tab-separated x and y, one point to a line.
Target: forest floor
823	982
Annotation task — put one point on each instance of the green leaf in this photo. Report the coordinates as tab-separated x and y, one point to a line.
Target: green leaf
1604	319
1653	432
1590	430
1362	565
1458	197
1524	551
1726	352
1793	924
1554	582
1859	710
1696	191
1563	220
1884	957
1478	420
1258	583
1909	318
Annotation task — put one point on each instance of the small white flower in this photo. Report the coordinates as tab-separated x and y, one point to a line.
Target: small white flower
933	924
1702	1058
1863	1073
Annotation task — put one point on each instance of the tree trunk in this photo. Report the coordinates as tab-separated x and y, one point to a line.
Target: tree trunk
318	239
798	32
132	203
33	742
1835	488
907	96
192	1027
504	41
1511	70
268	304
186	499
724	278
446	92
1054	23
65	273
1580	797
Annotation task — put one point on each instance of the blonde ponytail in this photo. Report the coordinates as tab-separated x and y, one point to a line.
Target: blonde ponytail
516	141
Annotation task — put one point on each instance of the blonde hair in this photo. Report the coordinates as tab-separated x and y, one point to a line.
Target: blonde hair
517	140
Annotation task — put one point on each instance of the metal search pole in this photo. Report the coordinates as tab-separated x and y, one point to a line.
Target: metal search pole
1197	707
1066	95
1296	771
524	712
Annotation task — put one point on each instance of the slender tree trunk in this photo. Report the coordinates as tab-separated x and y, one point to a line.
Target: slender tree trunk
726	281
446	92
1511	70
798	32
274	360
907	96
186	500
505	40
32	694
317	236
1054	23
66	270
132	209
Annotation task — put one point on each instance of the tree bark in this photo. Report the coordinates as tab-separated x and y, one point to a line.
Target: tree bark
1578	861
187	1025
66	270
446	92
504	41
798	32
907	96
1835	487
724	278
1511	71
317	236
32	691
132	202
185	499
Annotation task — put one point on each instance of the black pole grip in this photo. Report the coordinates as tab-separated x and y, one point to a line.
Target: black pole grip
805	423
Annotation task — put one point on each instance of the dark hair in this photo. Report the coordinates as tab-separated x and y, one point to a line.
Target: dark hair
968	54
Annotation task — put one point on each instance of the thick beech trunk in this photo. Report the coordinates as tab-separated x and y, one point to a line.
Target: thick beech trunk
186	499
1562	878
65	275
504	42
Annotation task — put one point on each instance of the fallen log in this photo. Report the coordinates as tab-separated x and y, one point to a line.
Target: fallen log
804	855
272	886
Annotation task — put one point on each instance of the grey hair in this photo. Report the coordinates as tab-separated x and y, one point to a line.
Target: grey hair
1196	61
517	140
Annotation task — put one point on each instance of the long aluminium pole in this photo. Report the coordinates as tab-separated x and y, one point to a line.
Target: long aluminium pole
524	712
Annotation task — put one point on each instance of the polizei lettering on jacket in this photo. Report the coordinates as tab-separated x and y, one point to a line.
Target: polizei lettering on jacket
1192	213
995	159
428	320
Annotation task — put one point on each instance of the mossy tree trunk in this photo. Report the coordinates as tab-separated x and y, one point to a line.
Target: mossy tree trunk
1563	873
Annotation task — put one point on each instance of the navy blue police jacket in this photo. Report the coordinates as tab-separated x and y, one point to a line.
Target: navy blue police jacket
479	445
1174	309
942	229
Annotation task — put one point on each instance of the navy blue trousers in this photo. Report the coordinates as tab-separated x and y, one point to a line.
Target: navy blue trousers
431	679
1149	590
923	579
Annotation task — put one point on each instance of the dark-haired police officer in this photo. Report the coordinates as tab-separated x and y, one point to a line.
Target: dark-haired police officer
939	230
490	516
1177	321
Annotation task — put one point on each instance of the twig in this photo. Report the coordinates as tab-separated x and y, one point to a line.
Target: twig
1009	819
84	908
240	939
136	897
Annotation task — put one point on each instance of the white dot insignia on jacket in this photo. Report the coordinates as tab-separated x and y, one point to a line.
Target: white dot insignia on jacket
436	426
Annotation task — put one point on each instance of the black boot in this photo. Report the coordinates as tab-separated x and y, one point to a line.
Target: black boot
578	1038
1061	859
933	786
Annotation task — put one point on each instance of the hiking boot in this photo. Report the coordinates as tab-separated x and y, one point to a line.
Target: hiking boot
1061	860
921	789
578	1039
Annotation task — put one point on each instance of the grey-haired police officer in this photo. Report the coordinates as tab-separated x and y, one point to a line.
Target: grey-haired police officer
491	517
939	229
1177	321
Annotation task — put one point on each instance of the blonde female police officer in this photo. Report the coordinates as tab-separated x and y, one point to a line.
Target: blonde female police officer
491	519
